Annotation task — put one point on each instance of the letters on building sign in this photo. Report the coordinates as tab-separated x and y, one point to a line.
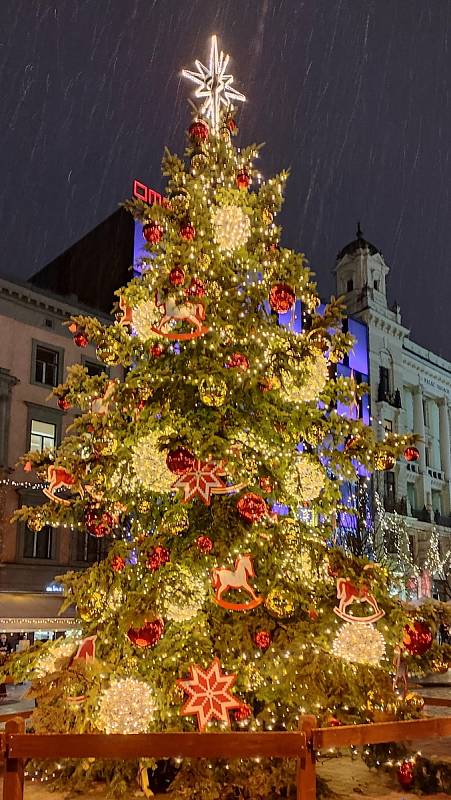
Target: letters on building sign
148	195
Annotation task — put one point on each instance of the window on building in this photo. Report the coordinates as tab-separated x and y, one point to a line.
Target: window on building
46	366
427	456
93	368
412	496
389	490
89	549
349	285
38	544
388	426
42	435
436	502
426	412
384	383
376	285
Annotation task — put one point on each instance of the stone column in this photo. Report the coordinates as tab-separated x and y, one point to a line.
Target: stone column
445	444
418	426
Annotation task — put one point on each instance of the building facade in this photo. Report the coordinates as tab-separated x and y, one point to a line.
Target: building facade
36	349
410	393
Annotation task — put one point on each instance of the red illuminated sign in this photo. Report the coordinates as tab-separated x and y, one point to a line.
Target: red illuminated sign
148	195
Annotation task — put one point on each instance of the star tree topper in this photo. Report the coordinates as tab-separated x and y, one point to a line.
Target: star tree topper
209	694
214	86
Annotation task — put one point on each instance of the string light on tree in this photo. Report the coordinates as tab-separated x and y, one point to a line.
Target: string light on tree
127	705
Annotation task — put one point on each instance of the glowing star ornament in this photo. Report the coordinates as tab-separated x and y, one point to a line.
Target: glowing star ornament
209	694
214	85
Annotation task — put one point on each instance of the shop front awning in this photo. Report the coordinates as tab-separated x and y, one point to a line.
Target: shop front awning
30	611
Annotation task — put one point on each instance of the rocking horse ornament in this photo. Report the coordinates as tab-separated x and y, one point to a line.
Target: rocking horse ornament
347	594
171	310
225	579
59	478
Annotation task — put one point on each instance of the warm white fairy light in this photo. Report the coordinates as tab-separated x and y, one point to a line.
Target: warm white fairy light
149	465
232	227
214	85
359	643
182	593
145	316
50	658
126	706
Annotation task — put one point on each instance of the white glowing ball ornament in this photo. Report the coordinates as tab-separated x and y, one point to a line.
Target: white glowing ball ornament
126	706
232	227
359	643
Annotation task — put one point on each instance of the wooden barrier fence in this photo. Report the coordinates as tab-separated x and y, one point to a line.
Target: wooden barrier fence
16	746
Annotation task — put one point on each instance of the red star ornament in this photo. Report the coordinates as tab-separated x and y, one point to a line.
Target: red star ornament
201	480
209	694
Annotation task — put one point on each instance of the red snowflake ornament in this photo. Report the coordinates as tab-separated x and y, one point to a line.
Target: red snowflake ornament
209	694
201	480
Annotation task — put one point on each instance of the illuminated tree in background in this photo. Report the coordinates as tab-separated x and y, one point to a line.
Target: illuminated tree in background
212	609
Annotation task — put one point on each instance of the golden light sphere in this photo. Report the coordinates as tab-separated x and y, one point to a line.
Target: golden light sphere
279	603
213	391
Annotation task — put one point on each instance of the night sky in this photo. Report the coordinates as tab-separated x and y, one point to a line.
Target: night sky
352	95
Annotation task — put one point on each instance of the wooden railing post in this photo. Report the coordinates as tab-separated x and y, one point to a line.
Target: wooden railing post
306	772
14	767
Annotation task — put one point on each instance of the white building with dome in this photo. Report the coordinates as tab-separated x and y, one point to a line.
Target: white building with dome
410	393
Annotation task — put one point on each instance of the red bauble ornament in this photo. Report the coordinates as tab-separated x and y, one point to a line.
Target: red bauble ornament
263	639
411	453
157	558
333	722
177	276
231	125
97	522
243	179
153	232
157	350
265	484
281	297
238	361
80	339
243	712
417	638
63	403
148	635
198	130
180	460
204	544
251	507
117	563
406	774
188	232
313	614
196	288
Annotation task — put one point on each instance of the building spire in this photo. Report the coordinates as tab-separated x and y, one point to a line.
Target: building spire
359	233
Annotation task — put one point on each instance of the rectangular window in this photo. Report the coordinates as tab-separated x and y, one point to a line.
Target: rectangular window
42	435
93	368
411	496
426	412
46	366
436	502
38	544
88	548
388	426
389	490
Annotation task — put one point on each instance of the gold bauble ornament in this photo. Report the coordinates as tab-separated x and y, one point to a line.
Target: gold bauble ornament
279	603
199	162
203	262
413	701
267	216
176	695
336	355
225	134
305	479
180	203
213	391
36	522
384	461
252	678
149	465
175	521
439	665
314	434
108	354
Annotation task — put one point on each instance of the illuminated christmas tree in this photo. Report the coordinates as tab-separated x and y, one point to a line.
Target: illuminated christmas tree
214	466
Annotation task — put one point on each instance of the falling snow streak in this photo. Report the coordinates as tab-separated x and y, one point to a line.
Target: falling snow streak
353	95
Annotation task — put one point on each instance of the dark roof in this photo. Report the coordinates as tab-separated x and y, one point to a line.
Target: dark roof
358	244
95	266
